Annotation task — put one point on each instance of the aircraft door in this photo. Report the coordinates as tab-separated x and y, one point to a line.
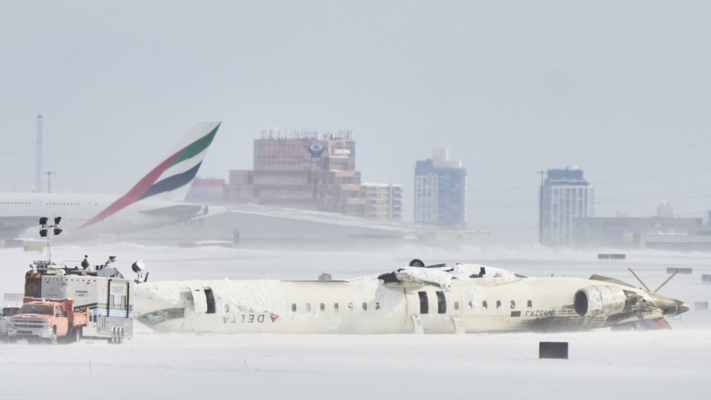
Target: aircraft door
429	306
199	299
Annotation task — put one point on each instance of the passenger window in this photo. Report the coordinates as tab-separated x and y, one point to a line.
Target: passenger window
498	303
456	305
323	307
308	307
424	303
335	306
513	304
123	302
529	304
350	306
111	302
293	307
365	306
441	303
483	304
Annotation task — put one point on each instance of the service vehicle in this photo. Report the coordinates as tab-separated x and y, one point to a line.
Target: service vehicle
48	320
5	314
67	304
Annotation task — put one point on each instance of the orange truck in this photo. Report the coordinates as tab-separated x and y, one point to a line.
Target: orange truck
43	320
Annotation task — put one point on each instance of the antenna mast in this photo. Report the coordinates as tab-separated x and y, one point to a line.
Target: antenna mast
49	181
38	155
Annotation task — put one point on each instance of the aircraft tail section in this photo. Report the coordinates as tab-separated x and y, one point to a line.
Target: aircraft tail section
171	178
181	164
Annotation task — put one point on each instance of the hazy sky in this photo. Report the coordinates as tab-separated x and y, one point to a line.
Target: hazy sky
620	89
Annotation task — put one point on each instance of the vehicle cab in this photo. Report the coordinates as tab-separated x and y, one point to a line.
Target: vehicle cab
38	319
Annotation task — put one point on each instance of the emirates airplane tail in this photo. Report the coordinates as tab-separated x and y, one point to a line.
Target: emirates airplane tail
170	180
156	200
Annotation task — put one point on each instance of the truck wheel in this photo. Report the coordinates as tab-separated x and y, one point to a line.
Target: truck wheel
53	338
76	335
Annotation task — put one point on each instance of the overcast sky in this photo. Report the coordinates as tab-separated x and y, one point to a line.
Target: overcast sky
620	89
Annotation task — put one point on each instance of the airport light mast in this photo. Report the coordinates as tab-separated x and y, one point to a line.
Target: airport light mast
38	155
45	232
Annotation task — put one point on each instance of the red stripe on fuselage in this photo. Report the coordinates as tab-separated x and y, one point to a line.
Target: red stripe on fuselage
134	194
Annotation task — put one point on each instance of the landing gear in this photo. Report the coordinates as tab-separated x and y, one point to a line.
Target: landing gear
417	263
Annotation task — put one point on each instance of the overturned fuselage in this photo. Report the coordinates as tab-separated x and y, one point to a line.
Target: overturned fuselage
463	298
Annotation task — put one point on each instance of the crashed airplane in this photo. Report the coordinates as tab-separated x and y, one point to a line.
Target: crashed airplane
463	298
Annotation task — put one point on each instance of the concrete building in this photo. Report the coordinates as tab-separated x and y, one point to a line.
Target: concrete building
304	170
663	231
382	201
441	191
564	195
207	191
624	232
696	240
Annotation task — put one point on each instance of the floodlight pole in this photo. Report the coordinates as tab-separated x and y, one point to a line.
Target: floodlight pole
49	249
49	231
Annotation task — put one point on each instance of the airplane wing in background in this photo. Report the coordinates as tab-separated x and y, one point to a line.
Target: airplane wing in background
12	227
185	211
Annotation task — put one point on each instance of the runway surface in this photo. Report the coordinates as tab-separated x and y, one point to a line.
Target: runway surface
650	365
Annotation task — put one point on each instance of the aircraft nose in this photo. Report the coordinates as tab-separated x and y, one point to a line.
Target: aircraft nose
683	307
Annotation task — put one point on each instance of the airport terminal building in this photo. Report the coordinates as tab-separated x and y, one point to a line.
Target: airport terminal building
306	170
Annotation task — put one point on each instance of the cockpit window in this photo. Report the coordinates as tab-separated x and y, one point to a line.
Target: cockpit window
173	313
155	317
162	315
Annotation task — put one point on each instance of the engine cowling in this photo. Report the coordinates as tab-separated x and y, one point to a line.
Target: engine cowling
599	301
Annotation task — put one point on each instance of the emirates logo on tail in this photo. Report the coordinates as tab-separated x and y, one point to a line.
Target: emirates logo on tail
274	317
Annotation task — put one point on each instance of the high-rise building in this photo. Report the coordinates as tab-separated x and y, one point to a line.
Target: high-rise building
564	195
382	201
441	191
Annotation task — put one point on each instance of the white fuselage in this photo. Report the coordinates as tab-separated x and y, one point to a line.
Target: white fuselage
77	209
369	306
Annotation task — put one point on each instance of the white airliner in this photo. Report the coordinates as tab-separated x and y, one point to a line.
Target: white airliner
154	201
438	299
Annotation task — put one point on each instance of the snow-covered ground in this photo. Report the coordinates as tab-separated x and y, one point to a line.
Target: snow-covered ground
658	364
